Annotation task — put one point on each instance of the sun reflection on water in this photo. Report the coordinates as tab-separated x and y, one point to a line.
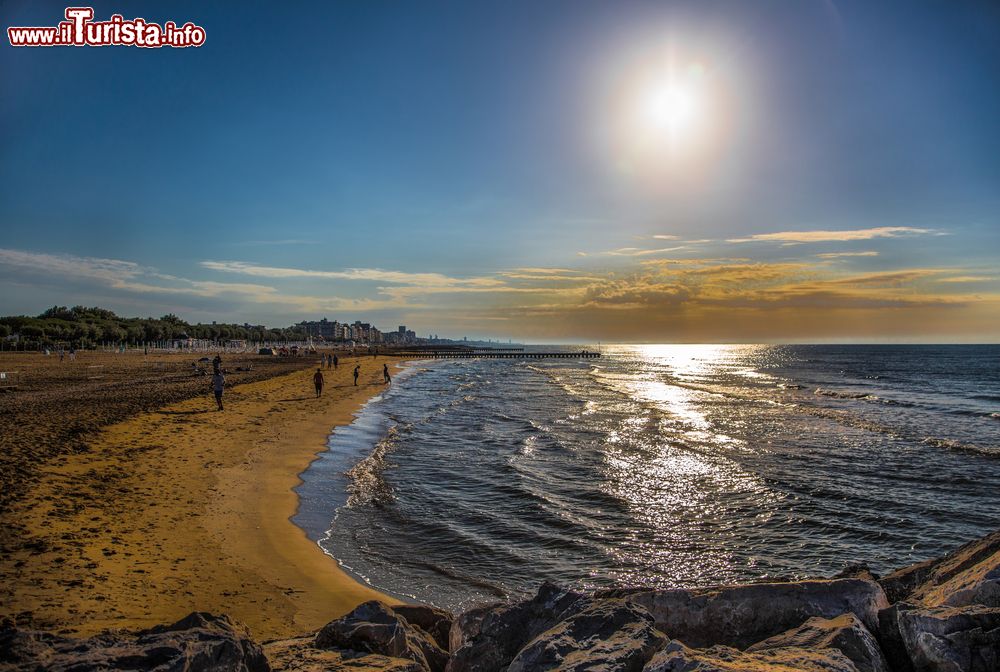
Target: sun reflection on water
668	461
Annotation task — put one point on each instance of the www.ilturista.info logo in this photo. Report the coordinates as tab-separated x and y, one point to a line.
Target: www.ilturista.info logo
80	30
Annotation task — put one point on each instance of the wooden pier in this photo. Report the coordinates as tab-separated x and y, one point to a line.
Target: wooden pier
509	353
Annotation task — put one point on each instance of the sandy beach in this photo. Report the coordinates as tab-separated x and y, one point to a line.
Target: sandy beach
185	508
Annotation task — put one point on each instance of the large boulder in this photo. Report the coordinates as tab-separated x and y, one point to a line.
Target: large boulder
946	639
301	655
465	627
845	633
678	658
978	584
607	635
967	575
739	616
488	639
433	621
199	641
374	627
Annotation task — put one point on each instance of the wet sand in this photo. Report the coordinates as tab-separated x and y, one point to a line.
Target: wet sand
186	508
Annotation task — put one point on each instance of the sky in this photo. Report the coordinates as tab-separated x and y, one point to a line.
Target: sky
765	171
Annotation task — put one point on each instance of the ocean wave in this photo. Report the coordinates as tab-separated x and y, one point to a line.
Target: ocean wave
556	379
974	413
846	418
367	483
462	577
868	396
959	446
836	394
541	427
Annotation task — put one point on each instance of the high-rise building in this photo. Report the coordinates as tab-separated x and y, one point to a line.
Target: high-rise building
322	328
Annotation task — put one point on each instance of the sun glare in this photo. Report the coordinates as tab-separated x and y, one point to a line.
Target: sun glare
668	109
665	117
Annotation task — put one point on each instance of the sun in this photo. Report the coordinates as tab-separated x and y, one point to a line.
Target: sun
664	113
667	108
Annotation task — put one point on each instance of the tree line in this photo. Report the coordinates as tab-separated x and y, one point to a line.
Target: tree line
83	327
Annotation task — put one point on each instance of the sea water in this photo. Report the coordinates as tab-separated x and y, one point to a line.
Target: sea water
669	466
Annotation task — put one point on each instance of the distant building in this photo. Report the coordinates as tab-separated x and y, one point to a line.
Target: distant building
358	332
324	329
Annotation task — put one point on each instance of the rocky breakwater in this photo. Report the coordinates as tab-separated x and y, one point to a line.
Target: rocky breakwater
940	615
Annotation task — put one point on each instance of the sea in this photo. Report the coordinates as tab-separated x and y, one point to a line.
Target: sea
471	481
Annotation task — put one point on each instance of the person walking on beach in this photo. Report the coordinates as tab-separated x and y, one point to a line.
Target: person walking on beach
385	375
335	360
318	381
357	370
218	385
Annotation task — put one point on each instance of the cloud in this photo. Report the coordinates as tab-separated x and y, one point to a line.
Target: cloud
548	275
370	274
403	292
838	255
687	287
546	271
887	278
832	236
637	251
635	292
128	276
69	265
689	241
712	298
967	278
124	275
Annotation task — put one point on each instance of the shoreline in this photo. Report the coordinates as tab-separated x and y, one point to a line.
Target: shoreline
185	508
318	508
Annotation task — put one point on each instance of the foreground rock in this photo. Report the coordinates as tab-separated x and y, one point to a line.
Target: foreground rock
435	622
946	614
938	616
377	628
678	658
739	616
198	642
301	655
607	635
489	638
967	575
952	639
845	633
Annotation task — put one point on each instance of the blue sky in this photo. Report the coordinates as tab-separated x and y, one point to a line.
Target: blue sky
480	169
